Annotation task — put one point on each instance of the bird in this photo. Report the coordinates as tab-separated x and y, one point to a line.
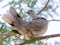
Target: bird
36	28
38	24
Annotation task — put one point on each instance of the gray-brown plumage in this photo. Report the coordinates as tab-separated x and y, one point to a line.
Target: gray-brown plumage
31	13
36	28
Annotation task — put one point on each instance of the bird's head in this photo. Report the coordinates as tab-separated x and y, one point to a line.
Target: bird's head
30	12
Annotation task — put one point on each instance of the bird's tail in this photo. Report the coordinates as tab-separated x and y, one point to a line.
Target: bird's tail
12	18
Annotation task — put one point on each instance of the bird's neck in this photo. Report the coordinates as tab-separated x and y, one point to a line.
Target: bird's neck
33	16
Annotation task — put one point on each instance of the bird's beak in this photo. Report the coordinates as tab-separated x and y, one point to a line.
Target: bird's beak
27	12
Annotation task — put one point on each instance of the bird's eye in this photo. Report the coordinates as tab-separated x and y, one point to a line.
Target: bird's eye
31	10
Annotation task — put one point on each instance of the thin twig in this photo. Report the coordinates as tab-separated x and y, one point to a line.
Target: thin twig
43	7
53	20
50	36
50	14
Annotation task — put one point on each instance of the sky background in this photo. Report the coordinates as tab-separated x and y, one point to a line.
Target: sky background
53	26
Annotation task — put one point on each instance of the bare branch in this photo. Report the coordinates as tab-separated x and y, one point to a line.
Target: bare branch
50	36
53	20
46	37
43	7
50	14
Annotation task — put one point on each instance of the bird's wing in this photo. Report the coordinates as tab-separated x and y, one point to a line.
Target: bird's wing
38	26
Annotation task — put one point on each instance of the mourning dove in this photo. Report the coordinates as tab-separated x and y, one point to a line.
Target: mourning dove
36	28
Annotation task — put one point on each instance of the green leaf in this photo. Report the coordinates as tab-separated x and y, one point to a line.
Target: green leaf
32	40
39	42
1	41
28	1
1	27
49	7
46	44
33	3
8	41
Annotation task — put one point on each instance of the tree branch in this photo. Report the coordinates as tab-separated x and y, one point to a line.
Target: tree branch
45	37
50	36
36	39
53	20
43	7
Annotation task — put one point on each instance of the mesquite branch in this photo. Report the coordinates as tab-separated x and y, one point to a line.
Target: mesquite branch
42	37
43	7
45	37
53	20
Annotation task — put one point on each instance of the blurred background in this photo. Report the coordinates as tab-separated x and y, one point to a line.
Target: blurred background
51	12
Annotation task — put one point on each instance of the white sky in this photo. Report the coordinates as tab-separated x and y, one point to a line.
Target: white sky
53	27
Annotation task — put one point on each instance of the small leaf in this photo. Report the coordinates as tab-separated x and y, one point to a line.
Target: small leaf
1	27
33	3
1	41
8	41
28	1
49	7
46	44
32	40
